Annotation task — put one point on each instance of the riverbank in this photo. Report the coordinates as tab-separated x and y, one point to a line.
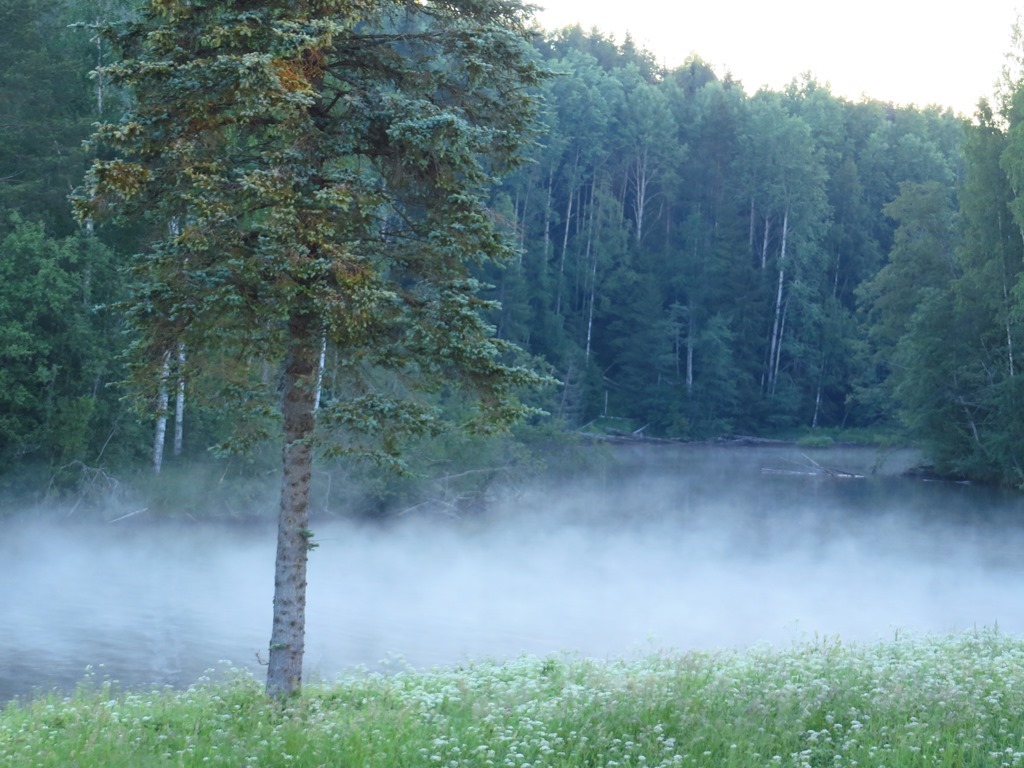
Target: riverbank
447	481
913	701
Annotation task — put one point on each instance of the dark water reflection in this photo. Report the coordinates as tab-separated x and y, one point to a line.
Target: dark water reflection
676	547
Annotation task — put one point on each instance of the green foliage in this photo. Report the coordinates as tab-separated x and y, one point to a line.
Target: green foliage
340	158
921	264
696	253
319	172
946	309
48	109
815	441
894	436
58	342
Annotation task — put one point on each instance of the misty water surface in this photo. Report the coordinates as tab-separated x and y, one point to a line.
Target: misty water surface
671	548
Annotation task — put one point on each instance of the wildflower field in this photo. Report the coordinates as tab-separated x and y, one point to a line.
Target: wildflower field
954	700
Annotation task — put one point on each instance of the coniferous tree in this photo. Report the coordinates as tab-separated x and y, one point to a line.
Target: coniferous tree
328	161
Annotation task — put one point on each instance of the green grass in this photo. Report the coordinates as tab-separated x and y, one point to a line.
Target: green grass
815	441
919	701
824	437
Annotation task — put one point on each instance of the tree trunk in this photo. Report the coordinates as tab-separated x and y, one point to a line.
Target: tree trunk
547	220
750	237
320	372
520	219
561	259
690	341
776	342
98	71
1006	302
592	262
641	181
287	640
522	213
764	242
1009	348
565	235
1006	322
590	308
179	403
778	348
162	398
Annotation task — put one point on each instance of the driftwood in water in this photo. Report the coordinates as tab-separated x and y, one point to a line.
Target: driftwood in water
812	468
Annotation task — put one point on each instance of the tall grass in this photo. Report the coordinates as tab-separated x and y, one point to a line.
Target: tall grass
917	701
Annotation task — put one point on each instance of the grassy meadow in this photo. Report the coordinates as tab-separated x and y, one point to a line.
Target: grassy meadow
954	700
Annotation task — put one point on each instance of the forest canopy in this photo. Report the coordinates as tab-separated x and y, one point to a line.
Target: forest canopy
691	259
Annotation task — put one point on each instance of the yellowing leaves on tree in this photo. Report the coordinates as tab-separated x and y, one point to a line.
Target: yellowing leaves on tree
298	75
291	75
122	178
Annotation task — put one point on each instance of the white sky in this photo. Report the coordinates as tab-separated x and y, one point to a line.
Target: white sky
905	51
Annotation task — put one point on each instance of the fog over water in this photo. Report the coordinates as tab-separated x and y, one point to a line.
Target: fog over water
673	548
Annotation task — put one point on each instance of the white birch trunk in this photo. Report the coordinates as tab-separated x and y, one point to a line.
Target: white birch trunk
162	398
777	322
320	371
1006	322
565	237
590	311
764	241
641	180
179	402
778	348
689	352
98	71
592	262
1009	349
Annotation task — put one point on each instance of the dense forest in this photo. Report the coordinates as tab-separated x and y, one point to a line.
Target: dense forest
693	261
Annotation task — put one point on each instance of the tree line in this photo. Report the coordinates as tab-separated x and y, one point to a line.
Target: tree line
689	258
695	258
701	261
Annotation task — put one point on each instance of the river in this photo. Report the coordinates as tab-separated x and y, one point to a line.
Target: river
674	547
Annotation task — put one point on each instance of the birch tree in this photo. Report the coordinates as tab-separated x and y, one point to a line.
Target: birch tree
788	202
329	161
647	128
